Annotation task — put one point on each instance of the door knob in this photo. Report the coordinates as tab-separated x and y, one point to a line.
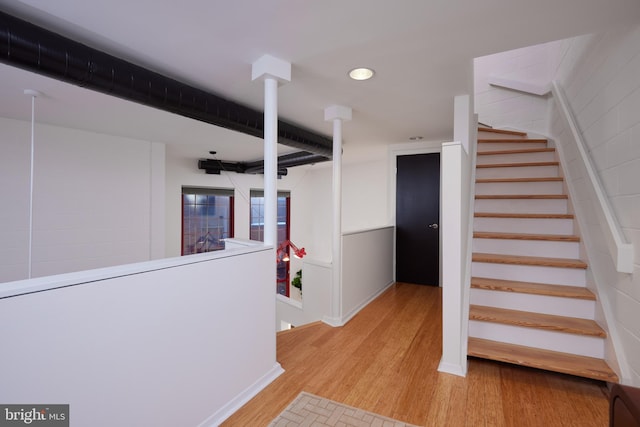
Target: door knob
434	225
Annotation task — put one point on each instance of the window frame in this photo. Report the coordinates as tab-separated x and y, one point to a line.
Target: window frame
206	191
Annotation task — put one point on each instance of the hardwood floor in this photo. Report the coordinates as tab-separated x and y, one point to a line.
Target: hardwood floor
385	360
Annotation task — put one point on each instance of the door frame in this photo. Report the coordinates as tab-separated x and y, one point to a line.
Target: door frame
408	149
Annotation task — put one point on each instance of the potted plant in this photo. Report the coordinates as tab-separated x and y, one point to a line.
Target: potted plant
297	281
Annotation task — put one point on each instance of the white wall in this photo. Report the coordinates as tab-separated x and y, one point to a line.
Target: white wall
93	204
601	77
163	343
365	199
500	107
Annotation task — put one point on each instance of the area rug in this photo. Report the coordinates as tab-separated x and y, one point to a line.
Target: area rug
309	410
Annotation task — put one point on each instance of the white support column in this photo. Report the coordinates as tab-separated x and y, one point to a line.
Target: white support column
337	114
271	70
33	94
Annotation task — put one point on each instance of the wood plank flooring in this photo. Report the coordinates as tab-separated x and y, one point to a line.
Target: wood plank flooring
385	360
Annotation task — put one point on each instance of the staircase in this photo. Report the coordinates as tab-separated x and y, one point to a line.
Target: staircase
529	303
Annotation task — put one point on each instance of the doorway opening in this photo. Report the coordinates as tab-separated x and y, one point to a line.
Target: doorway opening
418	218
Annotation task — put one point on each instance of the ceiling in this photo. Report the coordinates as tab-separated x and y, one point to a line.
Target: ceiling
421	51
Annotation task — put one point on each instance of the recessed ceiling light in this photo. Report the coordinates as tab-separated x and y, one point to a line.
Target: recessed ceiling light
361	73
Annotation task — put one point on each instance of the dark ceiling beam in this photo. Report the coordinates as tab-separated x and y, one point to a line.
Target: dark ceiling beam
215	166
33	48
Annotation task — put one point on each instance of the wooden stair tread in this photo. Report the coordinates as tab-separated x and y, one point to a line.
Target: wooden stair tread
528	319
522	215
532	179
526	236
502	131
511	140
564	291
528	260
519	151
517	165
521	196
582	366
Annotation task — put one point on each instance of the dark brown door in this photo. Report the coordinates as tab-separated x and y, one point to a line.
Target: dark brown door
418	219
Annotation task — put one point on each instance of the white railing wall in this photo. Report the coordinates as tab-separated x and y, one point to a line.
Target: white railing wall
367	268
182	341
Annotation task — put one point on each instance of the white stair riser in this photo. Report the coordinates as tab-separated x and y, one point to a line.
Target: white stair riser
497	146
517	172
493	135
552	206
539	248
544	187
545	156
550	340
524	225
545	304
529	273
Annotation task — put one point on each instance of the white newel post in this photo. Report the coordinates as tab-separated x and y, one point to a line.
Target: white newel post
337	114
272	71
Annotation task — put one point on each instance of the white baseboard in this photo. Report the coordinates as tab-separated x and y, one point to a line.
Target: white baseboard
362	305
237	402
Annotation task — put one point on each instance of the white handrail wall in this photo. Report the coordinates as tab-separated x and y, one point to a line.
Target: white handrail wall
620	250
183	341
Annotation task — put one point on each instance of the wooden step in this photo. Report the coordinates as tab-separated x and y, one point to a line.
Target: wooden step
526	236
521	151
522	215
502	131
563	291
532	179
581	366
517	165
521	196
528	260
527	319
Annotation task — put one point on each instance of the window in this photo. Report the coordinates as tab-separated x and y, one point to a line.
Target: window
207	218
256	231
